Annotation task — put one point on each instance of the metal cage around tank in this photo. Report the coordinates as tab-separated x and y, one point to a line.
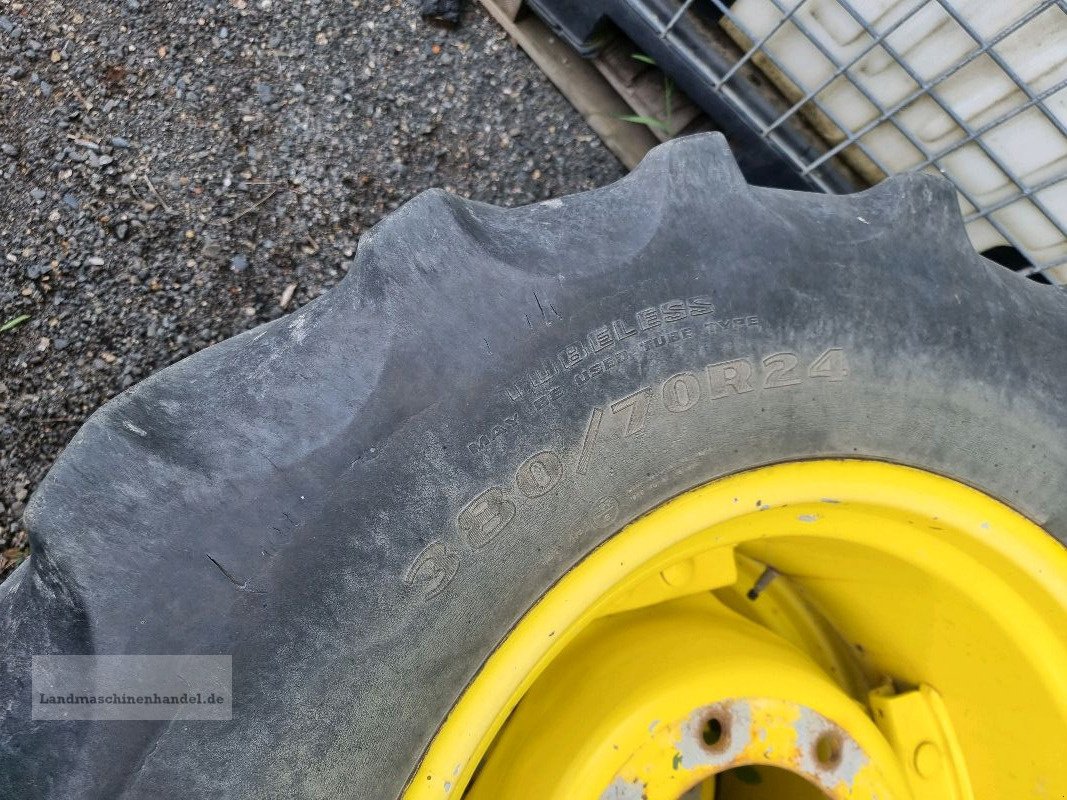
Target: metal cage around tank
778	117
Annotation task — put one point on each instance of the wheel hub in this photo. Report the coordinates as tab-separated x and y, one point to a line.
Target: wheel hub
689	689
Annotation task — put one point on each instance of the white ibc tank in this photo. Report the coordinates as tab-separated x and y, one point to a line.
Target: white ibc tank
1003	144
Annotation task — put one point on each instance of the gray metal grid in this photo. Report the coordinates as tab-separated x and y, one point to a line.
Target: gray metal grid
667	24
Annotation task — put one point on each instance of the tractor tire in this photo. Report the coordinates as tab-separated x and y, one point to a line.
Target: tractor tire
360	500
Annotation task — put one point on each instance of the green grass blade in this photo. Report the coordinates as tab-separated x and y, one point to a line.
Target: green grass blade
13	323
652	122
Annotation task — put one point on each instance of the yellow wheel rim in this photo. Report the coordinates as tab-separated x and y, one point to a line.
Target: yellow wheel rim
907	639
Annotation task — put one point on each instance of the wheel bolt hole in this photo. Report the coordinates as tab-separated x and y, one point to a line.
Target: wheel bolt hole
715	732
828	749
712	732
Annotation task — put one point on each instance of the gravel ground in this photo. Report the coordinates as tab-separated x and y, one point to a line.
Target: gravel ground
174	173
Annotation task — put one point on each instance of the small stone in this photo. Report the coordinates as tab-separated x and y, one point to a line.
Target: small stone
9	149
119	142
211	249
121	230
56	57
37	194
441	12
94	261
265	92
71	201
287	295
16	73
109	358
60	344
104	160
44	344
45	87
239	263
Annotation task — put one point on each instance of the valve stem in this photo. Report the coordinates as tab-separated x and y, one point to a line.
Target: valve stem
762	582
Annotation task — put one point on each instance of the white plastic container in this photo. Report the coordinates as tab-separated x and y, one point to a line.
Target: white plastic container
1029	145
